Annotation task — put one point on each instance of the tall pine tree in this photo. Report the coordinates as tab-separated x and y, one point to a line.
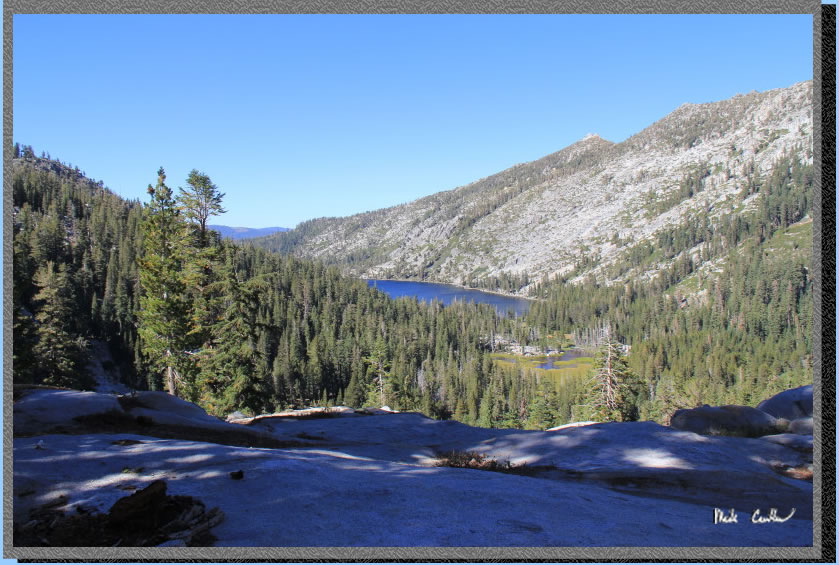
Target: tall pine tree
613	393
233	372
164	309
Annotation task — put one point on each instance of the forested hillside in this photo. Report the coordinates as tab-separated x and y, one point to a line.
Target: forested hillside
249	330
728	319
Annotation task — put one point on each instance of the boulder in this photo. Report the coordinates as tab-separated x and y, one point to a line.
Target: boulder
802	426
141	510
794	441
165	402
791	404
45	409
730	420
160	407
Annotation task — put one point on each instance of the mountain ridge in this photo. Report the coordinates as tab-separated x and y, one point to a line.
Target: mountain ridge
538	218
236	232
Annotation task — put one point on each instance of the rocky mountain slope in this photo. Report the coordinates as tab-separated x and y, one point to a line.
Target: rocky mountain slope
594	198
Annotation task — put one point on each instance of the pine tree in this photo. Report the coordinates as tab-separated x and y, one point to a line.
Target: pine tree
353	396
232	370
164	309
614	388
59	356
380	366
200	201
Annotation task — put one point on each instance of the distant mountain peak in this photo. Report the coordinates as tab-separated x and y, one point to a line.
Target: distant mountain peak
245	233
590	140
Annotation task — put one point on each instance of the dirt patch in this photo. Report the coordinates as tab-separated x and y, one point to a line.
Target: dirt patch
126	442
802	472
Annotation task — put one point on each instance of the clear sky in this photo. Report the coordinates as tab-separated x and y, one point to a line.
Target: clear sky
301	116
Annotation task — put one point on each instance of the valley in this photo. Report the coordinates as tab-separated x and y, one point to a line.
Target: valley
704	285
242	362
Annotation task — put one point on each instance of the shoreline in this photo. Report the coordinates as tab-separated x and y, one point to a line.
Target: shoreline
497	293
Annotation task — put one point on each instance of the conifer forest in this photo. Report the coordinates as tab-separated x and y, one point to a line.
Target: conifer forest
237	327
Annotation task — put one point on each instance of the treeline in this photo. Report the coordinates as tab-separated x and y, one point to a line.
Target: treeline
734	334
502	282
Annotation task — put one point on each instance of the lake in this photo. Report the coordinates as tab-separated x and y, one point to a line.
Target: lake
566	356
447	293
551	361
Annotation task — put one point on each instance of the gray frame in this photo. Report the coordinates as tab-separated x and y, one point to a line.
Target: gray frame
12	7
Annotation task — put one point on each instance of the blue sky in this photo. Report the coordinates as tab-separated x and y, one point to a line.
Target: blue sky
302	116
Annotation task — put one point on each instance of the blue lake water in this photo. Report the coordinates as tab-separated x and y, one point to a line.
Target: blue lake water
447	293
567	356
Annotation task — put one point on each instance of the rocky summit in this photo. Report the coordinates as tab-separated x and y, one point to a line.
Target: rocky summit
594	199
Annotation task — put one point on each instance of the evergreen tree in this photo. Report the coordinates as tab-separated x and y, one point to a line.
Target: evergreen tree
200	201
613	392
379	365
353	396
233	373
164	309
59	356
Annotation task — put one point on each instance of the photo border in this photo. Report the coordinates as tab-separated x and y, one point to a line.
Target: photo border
824	393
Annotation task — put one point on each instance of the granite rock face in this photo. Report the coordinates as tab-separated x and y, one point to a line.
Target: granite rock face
42	409
801	426
374	481
791	404
730	420
538	217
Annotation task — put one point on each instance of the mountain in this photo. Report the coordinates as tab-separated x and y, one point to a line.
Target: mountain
245	233
577	211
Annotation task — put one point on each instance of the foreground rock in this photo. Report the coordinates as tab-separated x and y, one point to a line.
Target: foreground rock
43	409
371	481
790	404
732	420
146	518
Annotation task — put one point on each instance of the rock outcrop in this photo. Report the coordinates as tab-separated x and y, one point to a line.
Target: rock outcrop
149	517
791	404
608	484
730	420
40	409
788	411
